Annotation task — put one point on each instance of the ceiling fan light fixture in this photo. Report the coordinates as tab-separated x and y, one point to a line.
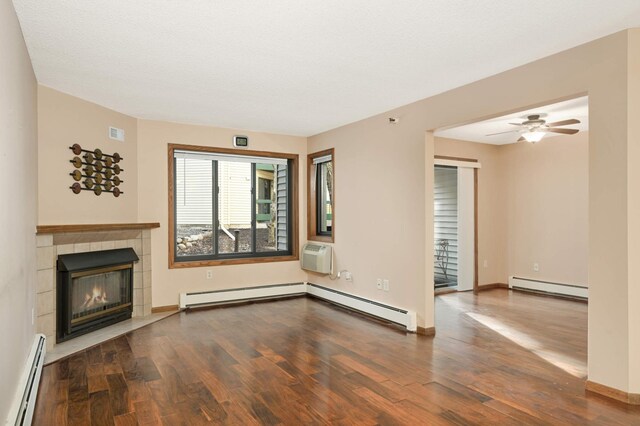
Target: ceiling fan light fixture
534	136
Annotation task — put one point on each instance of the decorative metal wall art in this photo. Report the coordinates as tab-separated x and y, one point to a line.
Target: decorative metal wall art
100	171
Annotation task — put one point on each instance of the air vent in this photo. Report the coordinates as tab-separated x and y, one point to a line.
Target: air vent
116	134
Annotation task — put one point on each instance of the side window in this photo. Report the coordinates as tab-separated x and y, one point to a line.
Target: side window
321	199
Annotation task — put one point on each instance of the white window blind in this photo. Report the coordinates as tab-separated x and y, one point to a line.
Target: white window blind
229	157
323	159
319	160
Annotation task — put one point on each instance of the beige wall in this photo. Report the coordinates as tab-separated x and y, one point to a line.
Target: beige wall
379	211
18	207
492	214
62	121
599	68
633	115
532	207
153	137
547	194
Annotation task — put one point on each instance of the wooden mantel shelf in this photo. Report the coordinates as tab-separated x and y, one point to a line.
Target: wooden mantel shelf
96	227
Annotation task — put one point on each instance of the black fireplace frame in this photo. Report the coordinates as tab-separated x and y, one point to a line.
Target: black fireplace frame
77	263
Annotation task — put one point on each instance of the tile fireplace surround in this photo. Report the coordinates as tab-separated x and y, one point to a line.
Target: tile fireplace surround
64	239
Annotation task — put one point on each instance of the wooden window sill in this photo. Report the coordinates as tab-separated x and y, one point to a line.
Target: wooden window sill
241	261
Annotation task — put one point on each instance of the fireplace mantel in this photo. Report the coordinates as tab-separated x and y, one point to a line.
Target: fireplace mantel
96	227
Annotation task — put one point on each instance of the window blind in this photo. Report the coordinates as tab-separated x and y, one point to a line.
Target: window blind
323	159
211	156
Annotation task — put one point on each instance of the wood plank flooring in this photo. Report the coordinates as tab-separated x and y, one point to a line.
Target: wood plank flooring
498	358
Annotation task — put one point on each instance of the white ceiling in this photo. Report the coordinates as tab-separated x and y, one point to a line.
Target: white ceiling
477	132
291	66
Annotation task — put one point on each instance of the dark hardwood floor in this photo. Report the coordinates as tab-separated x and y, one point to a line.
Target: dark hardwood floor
498	358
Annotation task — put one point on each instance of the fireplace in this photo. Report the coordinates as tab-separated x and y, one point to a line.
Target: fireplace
94	290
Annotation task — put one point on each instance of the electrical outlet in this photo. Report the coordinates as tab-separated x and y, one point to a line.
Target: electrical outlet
385	285
485	264
347	276
379	283
536	267
209	274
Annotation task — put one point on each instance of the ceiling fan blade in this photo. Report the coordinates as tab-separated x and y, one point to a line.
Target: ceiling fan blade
522	139
501	133
564	122
564	131
516	124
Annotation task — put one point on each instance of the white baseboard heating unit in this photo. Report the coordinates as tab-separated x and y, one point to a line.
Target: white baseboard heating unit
376	309
21	412
203	298
370	307
528	284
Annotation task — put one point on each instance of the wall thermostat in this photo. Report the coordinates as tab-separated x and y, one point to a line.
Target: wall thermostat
240	141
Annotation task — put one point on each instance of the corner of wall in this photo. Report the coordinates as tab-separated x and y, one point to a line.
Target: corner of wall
18	282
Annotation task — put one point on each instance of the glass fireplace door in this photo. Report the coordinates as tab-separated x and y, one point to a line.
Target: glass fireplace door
99	292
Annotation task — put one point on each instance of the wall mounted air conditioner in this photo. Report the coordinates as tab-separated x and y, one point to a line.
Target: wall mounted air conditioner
316	258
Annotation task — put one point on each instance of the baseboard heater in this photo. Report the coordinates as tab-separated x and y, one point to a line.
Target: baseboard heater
370	307
204	298
547	287
21	412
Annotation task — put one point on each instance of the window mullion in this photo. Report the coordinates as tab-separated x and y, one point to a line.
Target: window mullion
214	205
289	206
254	229
175	207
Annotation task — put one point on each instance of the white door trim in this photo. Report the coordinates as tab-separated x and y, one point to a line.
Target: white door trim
466	228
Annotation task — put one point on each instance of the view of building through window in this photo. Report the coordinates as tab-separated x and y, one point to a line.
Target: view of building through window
321	199
229	206
324	193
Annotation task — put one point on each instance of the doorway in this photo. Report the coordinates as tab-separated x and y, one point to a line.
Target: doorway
454	225
445	227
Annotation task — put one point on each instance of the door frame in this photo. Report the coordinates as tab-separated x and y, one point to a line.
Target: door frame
443	160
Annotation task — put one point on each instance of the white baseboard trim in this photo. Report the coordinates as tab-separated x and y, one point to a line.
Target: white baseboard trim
520	283
389	313
24	403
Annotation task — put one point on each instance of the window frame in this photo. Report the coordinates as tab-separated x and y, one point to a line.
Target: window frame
234	258
313	233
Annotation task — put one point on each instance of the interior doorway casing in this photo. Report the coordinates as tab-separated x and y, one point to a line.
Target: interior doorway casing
445	223
468	204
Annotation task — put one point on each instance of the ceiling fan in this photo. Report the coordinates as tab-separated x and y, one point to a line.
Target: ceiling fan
535	127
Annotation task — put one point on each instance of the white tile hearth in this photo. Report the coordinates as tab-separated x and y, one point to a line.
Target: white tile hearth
64	349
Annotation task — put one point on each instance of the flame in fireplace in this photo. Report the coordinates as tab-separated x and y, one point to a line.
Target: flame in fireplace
97	298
